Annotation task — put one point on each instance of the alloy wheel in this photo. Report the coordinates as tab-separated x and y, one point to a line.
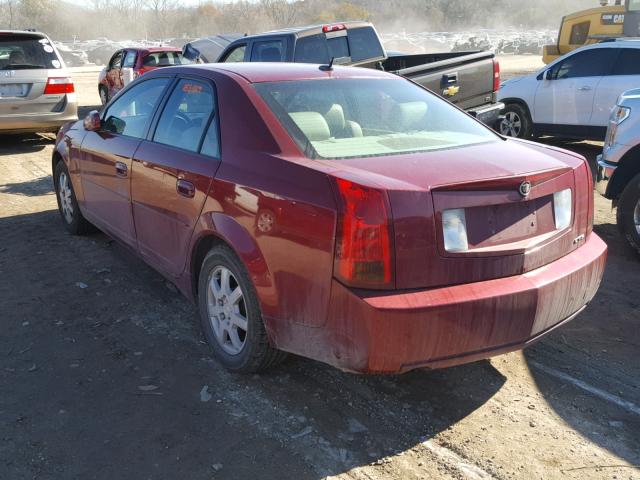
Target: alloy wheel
511	125
636	217
65	193
227	310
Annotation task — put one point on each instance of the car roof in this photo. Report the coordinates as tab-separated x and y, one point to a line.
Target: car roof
257	72
26	33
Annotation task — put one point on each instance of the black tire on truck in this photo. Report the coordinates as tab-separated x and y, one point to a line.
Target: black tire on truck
515	122
628	214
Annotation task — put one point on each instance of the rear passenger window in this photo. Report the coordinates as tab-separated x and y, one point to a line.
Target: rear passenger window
130	114
628	62
186	115
211	143
588	63
271	51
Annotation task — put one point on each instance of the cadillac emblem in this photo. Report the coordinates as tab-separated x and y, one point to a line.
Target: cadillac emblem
525	188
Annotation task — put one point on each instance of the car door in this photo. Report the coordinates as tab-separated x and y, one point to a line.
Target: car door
624	75
173	171
565	93
106	155
113	73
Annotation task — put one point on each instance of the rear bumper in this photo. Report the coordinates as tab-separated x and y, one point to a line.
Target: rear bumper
373	333
487	114
41	121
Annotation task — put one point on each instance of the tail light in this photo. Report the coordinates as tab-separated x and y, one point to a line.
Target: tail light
333	28
496	75
363	251
58	86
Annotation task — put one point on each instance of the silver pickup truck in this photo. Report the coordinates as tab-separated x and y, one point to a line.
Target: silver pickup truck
618	176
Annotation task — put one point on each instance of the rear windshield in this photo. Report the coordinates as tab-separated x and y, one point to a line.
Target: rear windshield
359	44
21	52
348	118
164	59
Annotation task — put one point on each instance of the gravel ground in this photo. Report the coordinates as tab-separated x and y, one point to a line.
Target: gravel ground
104	374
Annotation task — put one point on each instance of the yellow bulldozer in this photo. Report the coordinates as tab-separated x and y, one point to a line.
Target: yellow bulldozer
595	25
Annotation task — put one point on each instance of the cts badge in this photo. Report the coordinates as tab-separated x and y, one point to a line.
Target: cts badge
525	188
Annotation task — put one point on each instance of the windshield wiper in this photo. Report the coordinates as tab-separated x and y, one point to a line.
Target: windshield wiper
21	66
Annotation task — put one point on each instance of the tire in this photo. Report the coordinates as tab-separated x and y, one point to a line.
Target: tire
516	122
628	214
68	207
231	321
104	94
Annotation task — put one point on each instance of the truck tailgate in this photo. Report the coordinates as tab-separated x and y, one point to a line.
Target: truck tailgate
463	78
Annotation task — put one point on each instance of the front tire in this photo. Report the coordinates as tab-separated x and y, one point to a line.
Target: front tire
68	207
516	122
628	214
230	314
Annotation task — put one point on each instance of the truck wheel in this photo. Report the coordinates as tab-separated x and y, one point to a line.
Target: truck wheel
104	94
628	214
230	314
516	122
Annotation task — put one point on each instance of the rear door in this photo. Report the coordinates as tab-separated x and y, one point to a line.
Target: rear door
624	75
173	171
106	157
568	97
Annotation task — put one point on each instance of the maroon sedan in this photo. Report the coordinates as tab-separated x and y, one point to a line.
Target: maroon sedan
401	232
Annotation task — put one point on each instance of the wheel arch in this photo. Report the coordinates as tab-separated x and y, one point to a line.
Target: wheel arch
628	168
517	101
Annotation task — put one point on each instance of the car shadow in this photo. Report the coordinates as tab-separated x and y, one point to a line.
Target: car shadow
584	368
31	188
25	143
120	356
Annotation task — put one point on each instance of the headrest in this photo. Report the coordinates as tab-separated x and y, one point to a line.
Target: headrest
408	114
335	119
312	124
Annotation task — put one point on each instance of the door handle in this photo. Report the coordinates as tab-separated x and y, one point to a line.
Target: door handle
186	189
584	88
121	169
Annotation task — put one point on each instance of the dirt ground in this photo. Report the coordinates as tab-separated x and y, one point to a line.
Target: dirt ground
104	375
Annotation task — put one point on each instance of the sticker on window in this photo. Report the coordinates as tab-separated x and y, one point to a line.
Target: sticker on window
191	88
48	48
43	40
55	63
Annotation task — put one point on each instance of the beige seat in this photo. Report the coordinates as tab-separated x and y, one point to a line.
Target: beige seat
407	115
338	126
313	125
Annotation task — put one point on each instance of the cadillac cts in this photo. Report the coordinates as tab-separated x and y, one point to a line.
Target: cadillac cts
344	214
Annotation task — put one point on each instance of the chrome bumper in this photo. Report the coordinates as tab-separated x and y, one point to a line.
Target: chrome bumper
603	175
488	114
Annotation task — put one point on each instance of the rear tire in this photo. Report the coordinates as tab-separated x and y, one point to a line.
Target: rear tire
516	122
628	214
68	207
230	314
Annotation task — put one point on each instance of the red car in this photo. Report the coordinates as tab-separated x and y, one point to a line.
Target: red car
127	64
421	238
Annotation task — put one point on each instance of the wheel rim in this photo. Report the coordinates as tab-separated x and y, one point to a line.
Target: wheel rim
227	310
636	217
265	222
511	125
64	192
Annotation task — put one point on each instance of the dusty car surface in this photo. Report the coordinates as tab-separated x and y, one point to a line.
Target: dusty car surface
36	92
129	63
402	232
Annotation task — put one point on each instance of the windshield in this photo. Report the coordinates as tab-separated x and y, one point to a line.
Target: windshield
18	52
347	118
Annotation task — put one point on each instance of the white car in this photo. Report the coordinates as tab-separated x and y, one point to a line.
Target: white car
573	96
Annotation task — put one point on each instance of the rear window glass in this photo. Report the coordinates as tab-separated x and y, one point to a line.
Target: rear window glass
338	47
364	44
359	44
164	59
22	52
345	118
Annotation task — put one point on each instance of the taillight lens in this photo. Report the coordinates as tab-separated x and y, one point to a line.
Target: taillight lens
496	75
454	230
562	208
363	251
58	86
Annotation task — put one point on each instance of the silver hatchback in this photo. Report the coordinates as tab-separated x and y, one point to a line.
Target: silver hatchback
36	92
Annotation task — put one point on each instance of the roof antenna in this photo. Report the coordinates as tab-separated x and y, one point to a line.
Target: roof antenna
328	68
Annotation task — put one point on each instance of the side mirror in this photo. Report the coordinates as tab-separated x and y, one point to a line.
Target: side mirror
92	122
